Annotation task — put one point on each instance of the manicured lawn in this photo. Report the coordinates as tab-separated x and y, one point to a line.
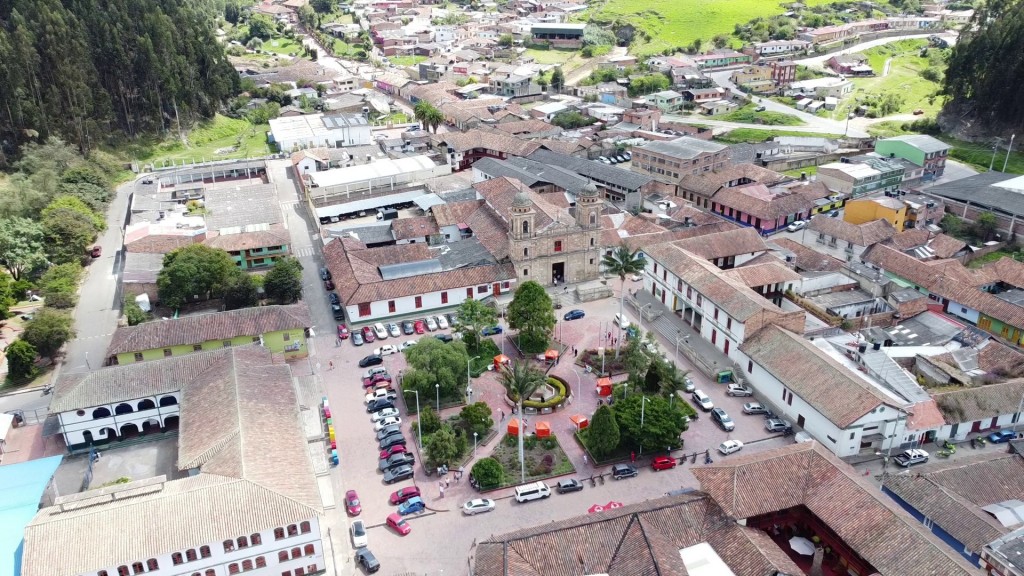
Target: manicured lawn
551	56
747	115
284	46
677	23
755	135
406	60
796	172
222	138
344	50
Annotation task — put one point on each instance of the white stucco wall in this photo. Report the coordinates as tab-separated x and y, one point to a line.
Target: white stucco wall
429	301
75	423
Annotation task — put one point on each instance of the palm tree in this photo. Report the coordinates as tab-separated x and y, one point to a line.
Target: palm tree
434	118
623	262
520	381
420	111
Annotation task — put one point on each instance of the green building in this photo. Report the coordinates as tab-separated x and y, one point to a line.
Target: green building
923	150
280	329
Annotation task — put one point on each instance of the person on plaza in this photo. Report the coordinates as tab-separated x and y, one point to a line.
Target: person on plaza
502	412
632	456
584	459
330	365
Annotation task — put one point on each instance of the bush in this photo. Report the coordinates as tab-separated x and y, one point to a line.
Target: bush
59	285
558	398
488	473
21	357
133	313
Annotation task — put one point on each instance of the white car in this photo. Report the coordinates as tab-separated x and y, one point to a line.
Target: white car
385	413
730	446
380	393
394	330
386	350
442	322
374	370
380	331
478	506
385	422
637	277
406	345
796	226
431	323
359	538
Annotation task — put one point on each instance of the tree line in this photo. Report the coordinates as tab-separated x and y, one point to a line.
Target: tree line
88	69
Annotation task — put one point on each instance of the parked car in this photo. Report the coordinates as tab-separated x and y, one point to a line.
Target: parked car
796	226
380	331
776	425
367	560
357	339
420	327
398	524
620	471
378	405
386	431
603	160
413	505
442	322
833	214
386	350
910	457
759	109
477	506
385	422
383	414
374	379
398	474
740	390
337	312
325	274
628	155
368	334
621	321
342	332
638	277
328	285
730	446
352	505
569	485
574	315
359	539
408	327
723	419
406	345
491	330
663	463
431	323
688	385
702	400
393	440
453	319
754	408
1002	436
370	373
391	450
332	297
393	330
403	494
396	460
371	360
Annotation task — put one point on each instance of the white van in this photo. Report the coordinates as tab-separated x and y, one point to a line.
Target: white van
621	321
532	491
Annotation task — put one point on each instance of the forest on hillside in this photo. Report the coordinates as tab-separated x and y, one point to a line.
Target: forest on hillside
89	70
986	67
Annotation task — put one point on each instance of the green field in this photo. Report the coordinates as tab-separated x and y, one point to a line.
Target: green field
677	23
283	46
406	60
551	56
904	78
755	135
747	115
222	138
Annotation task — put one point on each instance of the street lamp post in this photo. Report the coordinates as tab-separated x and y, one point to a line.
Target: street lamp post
578	384
419	428
675	359
438	388
469	383
643	403
474	444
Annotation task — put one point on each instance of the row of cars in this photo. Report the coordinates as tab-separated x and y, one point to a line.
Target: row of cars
380	331
615	158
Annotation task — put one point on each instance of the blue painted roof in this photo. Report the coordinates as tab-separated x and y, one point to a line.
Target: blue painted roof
21	488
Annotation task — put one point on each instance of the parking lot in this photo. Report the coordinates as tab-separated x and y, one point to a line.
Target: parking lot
442	538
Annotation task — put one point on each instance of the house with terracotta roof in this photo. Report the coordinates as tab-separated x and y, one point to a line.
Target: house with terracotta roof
727	249
769	209
973	409
281	329
244	493
946	498
720	306
702	187
836	405
844	239
246	222
462	149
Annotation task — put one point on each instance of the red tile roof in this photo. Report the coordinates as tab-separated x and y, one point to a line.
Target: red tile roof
980	402
807	258
724	244
409	228
808	474
162	244
276	236
866	234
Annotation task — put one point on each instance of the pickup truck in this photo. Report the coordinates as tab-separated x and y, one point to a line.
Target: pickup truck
910	457
381	393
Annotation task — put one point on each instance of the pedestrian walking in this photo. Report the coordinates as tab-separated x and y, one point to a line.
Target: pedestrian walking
502	412
447	482
337	342
584	459
330	365
442	491
632	456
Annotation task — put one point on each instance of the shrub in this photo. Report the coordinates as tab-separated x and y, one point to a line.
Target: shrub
21	357
549	443
487	472
555	400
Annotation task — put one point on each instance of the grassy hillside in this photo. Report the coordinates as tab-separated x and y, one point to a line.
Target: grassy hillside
222	138
677	23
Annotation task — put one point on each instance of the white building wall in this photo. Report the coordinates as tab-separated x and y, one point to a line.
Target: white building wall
380	309
965	312
75	423
220	561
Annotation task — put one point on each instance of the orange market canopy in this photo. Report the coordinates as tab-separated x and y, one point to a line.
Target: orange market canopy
580	421
543	429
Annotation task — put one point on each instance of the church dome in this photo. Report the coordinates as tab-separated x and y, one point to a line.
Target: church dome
522	199
589	190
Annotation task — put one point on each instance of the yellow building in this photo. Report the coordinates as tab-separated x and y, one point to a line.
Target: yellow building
870	209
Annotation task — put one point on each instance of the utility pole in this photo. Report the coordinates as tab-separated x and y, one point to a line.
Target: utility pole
995	147
1007	161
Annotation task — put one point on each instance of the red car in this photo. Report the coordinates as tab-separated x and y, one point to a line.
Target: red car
376	379
420	327
398	523
352	504
368	334
663	463
342	332
404	494
389	452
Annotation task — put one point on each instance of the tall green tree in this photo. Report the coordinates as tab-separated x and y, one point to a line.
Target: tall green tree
76	206
195	270
533	315
557	79
648	422
21	359
436	368
21	246
428	115
283	284
474	316
443	447
476	418
603	433
59	285
7	298
68	233
48	330
520	380
622	262
240	291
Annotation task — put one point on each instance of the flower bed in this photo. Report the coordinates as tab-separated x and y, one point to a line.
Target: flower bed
544	459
